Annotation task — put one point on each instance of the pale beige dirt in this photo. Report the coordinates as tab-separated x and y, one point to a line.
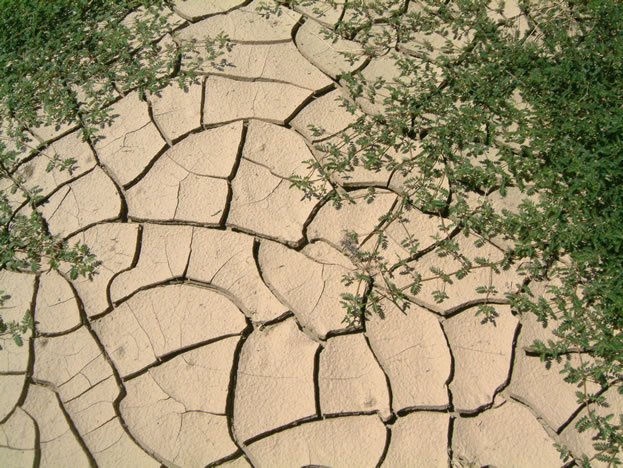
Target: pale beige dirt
213	333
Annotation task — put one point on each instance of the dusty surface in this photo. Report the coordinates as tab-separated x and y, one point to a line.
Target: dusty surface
214	334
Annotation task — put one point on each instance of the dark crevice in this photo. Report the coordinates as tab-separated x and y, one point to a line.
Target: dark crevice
195	131
116	403
452	368
345	414
232	175
123	212
373	185
202	104
76	302
75	432
36	462
12	373
420	253
24	391
354	330
306	101
110	175
474	302
472	411
269	169
57	189
189	133
317	380
312	215
150	112
327	138
390	395
296	27
87	390
30	366
86	227
306	420
36	459
173	354
450	440
578	455
414	409
177	63
79	304
223	123
133	263
43	383
231	389
317	94
91	144
174	281
364	63
174	222
388	441
341	18
577	411
249	232
295	31
349	186
165	282
422	304
275	293
529	351
511	365
256	259
390	184
391	420
309	333
100	424
31	153
549	430
269	323
147	167
33	305
64	133
346	330
291	425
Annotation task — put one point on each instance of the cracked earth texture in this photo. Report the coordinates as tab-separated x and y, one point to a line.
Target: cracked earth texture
213	333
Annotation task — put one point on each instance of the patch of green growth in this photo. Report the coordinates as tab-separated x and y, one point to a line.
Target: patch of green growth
529	99
64	62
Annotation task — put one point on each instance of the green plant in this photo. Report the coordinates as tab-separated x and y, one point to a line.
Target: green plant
525	98
63	63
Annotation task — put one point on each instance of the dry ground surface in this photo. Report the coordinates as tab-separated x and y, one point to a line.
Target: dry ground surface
213	333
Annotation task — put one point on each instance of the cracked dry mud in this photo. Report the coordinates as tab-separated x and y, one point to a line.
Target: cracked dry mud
213	333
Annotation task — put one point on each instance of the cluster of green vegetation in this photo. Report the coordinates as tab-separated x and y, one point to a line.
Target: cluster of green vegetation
529	96
64	62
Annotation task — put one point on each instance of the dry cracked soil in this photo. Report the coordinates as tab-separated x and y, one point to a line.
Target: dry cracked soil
213	333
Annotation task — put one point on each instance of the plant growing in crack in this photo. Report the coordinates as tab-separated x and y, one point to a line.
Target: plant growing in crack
487	98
